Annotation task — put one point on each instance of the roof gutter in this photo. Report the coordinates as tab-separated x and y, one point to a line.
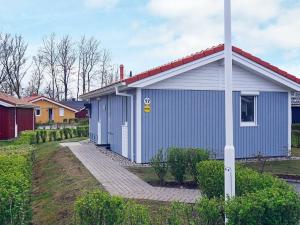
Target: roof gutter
131	118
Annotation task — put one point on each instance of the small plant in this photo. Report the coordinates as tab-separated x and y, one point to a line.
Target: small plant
99	207
61	134
195	156
37	136
136	214
65	131
44	134
180	213
210	211
158	163
177	161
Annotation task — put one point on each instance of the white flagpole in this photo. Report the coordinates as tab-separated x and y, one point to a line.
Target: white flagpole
229	152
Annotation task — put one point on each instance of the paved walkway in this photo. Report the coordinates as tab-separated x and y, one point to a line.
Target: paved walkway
119	181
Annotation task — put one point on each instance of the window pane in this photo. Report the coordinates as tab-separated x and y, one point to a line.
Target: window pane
61	112
247	108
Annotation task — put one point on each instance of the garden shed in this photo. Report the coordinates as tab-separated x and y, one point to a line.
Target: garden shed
16	115
182	104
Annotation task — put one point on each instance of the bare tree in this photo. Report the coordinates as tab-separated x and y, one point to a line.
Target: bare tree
89	57
37	76
106	69
50	57
2	69
66	61
13	62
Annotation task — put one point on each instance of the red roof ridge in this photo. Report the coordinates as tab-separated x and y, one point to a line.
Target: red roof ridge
205	53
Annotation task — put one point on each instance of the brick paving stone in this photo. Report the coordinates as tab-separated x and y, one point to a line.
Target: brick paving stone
119	181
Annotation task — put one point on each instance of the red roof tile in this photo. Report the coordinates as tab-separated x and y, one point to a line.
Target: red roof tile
202	54
14	101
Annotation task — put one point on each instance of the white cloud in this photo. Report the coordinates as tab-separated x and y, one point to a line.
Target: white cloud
101	3
191	25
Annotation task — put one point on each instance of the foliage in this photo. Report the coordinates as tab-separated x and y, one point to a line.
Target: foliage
195	156
44	135
210	211
136	214
269	206
158	162
211	179
177	162
99	208
15	184
180	213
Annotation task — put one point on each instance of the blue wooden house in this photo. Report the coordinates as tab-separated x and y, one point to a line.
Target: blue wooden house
182	104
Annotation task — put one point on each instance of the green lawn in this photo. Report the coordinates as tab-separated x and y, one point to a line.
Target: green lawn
296	152
58	179
148	174
279	167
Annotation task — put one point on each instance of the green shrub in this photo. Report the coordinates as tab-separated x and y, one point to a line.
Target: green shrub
177	162
136	214
44	135
26	137
15	184
195	156
74	130
158	163
37	136
70	132
61	134
269	206
178	214
211	179
65	131
210	211
99	207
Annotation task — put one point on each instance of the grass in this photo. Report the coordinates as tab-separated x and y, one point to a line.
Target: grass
279	167
148	175
296	152
58	179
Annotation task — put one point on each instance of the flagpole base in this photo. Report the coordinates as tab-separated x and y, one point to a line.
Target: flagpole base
229	171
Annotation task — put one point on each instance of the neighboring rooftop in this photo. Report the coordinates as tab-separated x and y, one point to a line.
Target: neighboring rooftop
78	105
15	101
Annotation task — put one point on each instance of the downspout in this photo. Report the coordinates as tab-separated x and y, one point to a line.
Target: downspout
131	118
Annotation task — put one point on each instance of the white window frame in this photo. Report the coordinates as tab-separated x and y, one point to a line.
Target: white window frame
61	112
36	111
252	123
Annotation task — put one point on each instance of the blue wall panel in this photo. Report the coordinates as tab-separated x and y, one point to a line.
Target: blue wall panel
185	118
103	119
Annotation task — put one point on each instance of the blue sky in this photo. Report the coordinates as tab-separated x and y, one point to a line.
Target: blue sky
146	33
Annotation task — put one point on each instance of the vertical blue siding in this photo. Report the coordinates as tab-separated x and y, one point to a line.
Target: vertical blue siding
184	118
270	136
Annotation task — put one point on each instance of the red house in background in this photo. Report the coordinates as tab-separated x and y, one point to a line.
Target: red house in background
16	115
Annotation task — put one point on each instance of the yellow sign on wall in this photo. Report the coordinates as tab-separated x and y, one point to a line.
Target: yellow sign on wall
147	108
147	105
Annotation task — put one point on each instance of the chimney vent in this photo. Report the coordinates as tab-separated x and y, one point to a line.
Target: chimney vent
121	72
130	73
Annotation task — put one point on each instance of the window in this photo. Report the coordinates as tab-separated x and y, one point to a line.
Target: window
38	112
248	110
61	111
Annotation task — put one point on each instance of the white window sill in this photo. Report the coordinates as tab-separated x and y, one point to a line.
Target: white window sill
248	124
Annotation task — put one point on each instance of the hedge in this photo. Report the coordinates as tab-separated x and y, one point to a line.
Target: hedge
15	184
274	206
211	179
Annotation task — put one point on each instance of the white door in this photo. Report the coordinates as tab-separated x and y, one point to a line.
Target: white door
125	140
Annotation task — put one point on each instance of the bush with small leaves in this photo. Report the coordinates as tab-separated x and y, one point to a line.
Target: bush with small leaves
136	214
195	156
98	207
269	206
210	211
159	164
177	162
